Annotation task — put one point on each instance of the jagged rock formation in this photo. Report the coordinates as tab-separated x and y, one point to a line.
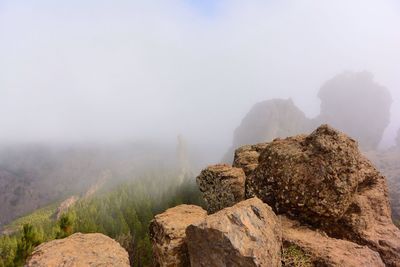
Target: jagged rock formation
317	249
167	233
247	234
79	250
222	186
358	106
268	120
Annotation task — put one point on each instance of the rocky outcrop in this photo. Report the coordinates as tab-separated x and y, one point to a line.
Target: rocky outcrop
79	250
312	248
322	179
312	178
268	120
247	234
167	233
388	162
354	103
222	186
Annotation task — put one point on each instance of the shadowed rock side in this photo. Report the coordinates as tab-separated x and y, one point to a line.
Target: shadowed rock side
311	248
222	186
266	121
167	233
80	250
247	234
388	162
354	103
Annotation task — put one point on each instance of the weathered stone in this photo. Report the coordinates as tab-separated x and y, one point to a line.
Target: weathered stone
79	250
246	157
167	233
368	219
311	248
222	186
323	179
310	177
247	234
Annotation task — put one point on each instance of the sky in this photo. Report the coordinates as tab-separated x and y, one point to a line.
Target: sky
123	70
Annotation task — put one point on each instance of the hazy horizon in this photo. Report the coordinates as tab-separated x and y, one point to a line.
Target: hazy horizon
126	70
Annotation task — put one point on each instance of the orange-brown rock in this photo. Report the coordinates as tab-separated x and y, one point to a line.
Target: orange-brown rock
79	250
323	179
222	186
247	234
302	244
310	177
167	233
246	157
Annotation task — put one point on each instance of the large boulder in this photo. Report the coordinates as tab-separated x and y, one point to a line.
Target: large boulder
312	248
266	121
79	250
247	234
322	179
354	103
168	237
311	177
222	186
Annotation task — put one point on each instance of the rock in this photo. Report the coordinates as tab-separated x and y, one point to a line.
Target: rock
268	120
246	157
322	179
310	177
79	250
222	186
398	139
354	103
168	237
247	234
311	248
368	220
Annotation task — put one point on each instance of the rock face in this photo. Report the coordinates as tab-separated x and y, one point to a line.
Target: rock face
80	250
388	162
247	234
302	245
322	179
167	233
268	120
222	186
311	177
354	103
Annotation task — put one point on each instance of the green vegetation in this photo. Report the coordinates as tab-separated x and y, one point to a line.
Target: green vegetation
293	256
123	213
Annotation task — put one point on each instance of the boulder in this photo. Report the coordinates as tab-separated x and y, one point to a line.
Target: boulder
312	248
246	157
354	103
222	186
247	234
310	177
168	237
79	250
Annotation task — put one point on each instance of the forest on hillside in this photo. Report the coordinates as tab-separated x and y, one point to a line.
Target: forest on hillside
123	213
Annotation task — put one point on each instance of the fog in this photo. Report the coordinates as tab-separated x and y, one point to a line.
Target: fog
77	71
